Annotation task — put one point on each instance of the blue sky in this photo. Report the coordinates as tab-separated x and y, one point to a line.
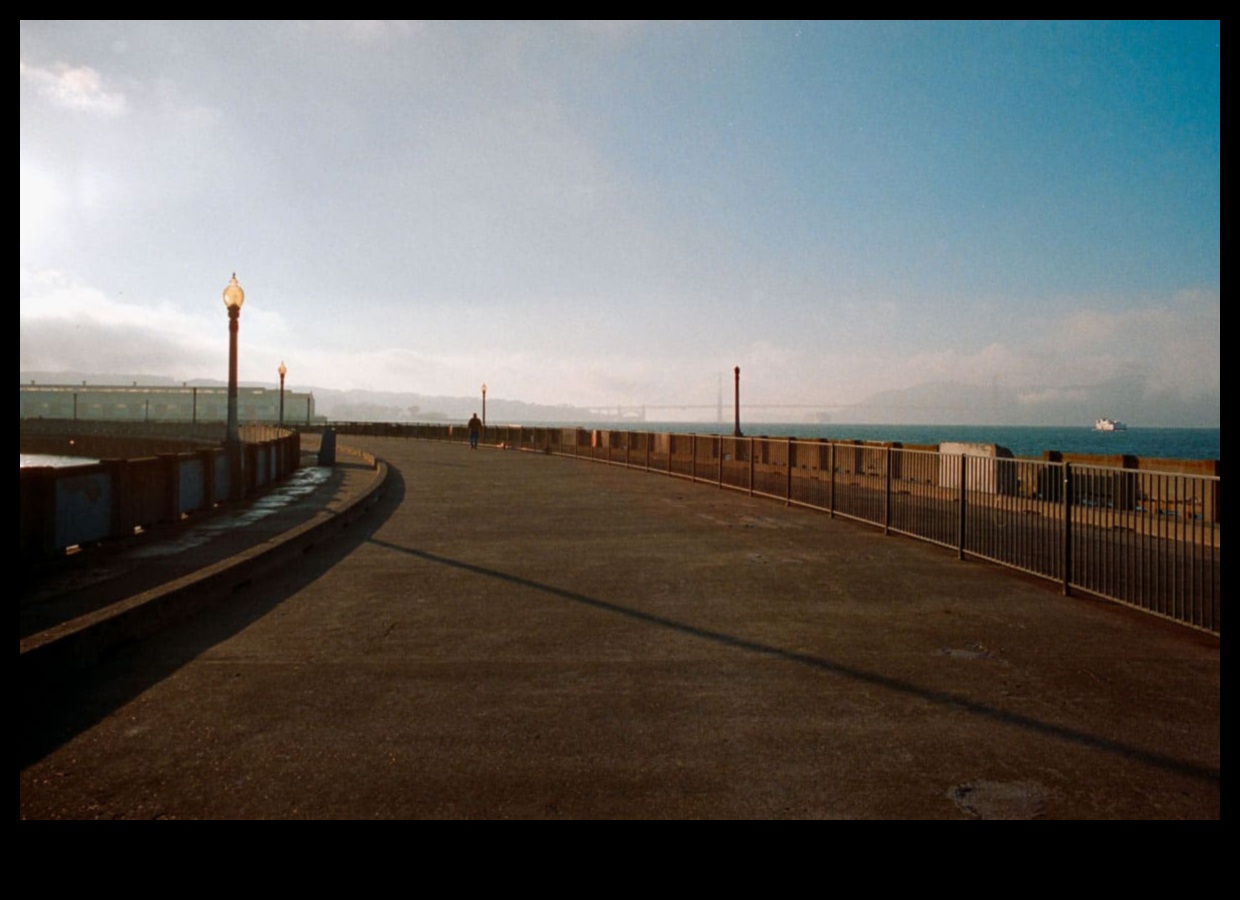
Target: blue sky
618	213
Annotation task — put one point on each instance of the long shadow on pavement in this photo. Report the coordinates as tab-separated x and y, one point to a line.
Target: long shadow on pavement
52	715
942	698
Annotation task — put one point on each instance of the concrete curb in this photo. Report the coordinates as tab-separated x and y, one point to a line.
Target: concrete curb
68	648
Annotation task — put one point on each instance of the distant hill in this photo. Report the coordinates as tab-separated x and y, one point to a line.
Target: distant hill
948	403
381	406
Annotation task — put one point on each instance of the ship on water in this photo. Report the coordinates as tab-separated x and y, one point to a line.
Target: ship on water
1105	424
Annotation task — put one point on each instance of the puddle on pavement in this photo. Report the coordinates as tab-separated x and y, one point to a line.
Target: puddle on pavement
299	486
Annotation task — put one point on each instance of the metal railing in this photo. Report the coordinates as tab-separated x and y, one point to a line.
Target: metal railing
1139	536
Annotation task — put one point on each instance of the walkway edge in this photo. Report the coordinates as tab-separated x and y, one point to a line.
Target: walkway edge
74	645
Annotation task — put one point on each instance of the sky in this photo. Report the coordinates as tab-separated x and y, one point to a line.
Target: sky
618	213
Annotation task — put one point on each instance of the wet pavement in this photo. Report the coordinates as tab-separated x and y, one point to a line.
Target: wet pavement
96	577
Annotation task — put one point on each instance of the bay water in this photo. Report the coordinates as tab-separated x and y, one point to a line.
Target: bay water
1027	442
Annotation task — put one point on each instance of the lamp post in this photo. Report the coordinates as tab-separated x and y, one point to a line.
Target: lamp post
234	296
736	431
283	370
484	406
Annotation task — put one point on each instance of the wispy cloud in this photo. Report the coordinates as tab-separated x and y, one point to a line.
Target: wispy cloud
69	325
360	31
78	88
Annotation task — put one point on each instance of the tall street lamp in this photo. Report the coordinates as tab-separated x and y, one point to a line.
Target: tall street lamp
484	406
234	297
283	370
736	403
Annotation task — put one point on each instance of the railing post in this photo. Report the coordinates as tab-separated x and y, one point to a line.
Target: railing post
121	523
887	493
788	474
207	460
831	484
38	512
964	473
1066	585
249	471
751	467
170	480
720	440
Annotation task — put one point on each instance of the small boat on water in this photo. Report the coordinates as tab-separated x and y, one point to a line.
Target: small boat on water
1105	424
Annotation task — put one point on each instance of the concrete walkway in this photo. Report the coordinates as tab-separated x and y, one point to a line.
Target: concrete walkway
514	635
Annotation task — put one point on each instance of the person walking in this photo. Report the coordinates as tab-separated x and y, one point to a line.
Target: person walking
475	430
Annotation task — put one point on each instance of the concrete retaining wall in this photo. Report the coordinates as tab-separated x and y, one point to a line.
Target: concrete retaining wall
71	506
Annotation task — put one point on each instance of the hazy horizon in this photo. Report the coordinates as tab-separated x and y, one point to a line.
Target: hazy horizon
898	408
997	223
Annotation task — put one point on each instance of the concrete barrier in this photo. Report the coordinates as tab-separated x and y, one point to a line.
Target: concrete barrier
79	505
